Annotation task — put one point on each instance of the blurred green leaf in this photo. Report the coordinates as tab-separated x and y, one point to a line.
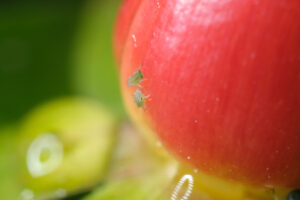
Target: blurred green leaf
95	72
9	165
138	172
132	189
76	136
35	41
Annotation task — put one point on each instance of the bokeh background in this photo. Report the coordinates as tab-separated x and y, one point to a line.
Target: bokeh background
51	50
55	48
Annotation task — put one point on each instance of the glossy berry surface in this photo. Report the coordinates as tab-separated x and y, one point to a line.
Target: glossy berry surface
224	80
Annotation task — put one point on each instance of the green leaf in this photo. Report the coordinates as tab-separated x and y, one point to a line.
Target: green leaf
66	146
95	72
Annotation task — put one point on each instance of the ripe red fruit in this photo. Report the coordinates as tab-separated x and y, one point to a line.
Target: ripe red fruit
224	83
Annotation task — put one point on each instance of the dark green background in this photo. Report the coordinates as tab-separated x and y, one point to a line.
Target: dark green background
48	50
38	44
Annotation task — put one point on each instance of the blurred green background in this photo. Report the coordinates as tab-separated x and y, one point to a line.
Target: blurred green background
45	45
51	50
59	84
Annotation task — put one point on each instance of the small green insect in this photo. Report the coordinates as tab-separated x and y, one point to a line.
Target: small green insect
135	79
139	98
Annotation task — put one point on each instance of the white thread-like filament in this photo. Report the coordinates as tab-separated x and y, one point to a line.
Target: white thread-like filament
189	189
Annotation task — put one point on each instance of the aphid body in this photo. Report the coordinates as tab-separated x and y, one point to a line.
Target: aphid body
139	98
135	79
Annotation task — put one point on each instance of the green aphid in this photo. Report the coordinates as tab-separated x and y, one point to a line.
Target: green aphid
139	98
135	79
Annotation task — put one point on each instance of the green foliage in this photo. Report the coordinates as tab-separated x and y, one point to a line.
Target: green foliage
85	130
9	165
35	41
95	72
